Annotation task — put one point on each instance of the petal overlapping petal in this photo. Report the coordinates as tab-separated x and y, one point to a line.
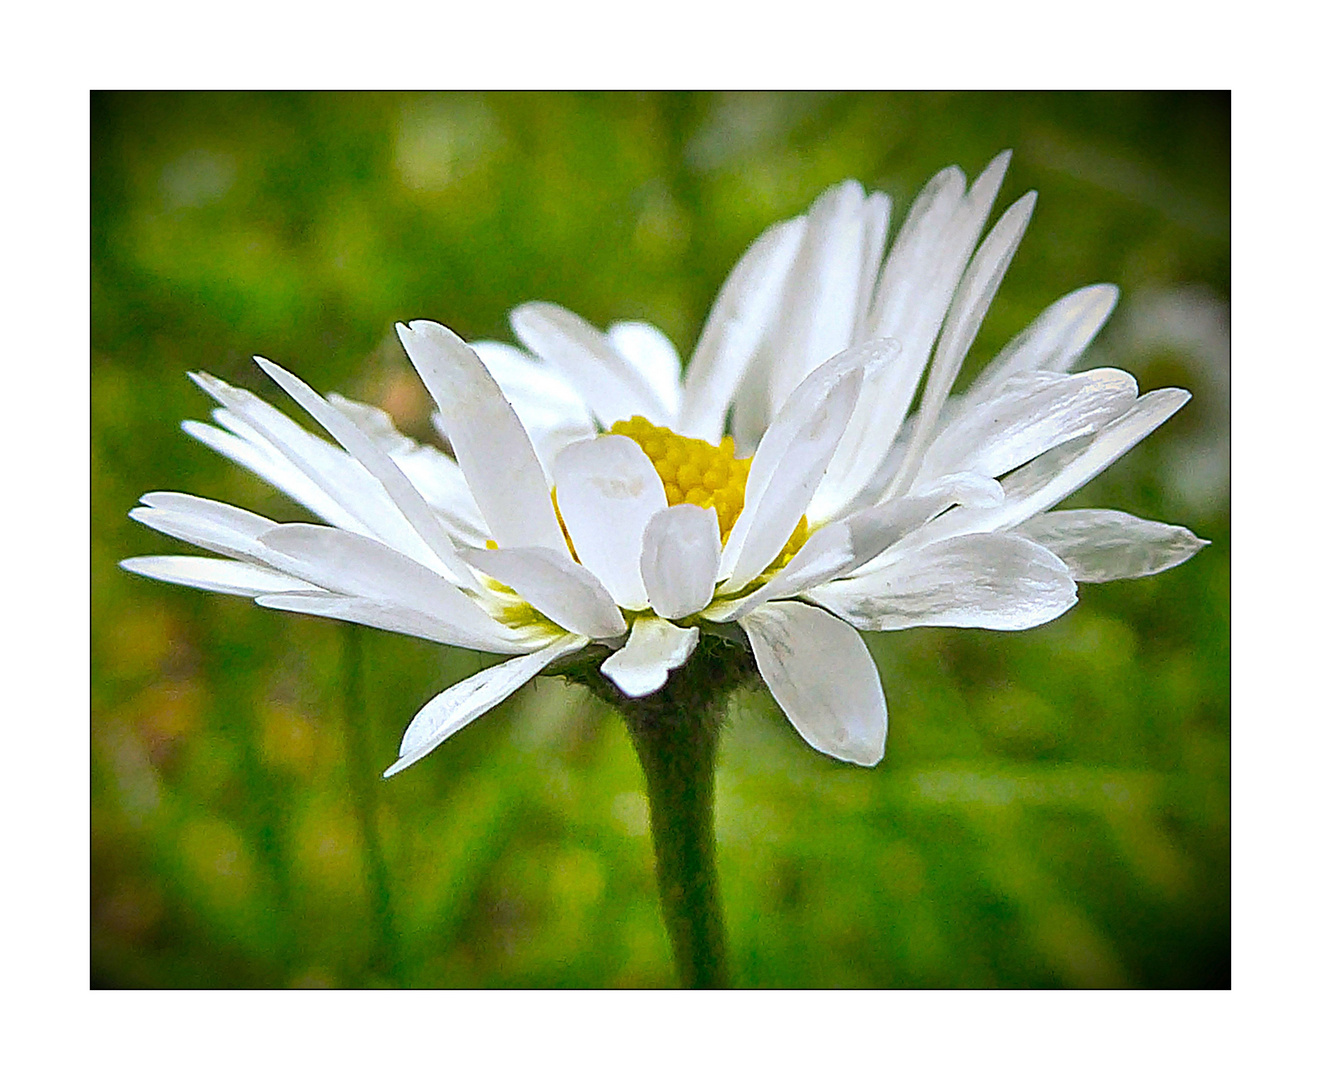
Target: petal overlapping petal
821	674
607	490
213	575
565	592
612	387
791	461
995	581
1106	545
490	444
680	559
654	648
453	709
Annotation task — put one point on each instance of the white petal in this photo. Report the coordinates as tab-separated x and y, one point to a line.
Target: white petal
1056	338
607	490
359	566
822	676
738	322
277	470
437	476
823	557
820	301
992	580
612	388
1032	414
680	558
1058	473
842	547
205	533
235	518
441	482
566	593
344	480
1106	545
654	649
490	444
914	294
791	460
654	357
550	410
382	615
526	381
876	222
214	575
377	462
966	313
462	703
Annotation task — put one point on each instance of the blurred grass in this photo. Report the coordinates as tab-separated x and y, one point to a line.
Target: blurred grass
1053	809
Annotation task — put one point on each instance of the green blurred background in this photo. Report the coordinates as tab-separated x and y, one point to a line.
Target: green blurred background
1053	809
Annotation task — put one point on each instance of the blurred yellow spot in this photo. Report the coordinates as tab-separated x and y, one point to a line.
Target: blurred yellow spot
288	739
214	854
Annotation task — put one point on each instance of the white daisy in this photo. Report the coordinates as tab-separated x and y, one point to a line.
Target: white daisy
542	535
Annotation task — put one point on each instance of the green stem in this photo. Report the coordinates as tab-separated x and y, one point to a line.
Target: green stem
676	733
678	760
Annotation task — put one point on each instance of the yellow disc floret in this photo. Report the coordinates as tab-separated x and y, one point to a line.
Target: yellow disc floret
696	472
693	470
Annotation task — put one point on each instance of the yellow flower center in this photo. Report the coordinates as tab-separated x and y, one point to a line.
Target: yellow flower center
696	472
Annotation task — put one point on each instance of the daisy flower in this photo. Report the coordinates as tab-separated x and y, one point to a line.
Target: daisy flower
785	491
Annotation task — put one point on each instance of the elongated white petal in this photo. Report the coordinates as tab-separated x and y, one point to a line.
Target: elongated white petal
680	558
241	521
382	615
842	547
569	595
462	703
1106	545
277	470
1032	414
436	475
1057	474
654	649
205	533
738	322
1054	340
654	357
612	388
823	557
992	580
527	382
214	575
876	221
551	411
440	481
791	460
377	462
966	313
914	294
359	566
607	490
343	479
821	675
490	444
820	300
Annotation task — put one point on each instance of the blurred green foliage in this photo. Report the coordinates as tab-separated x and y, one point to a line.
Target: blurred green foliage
1053	809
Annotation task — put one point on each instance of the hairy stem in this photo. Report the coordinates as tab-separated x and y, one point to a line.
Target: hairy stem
678	761
676	733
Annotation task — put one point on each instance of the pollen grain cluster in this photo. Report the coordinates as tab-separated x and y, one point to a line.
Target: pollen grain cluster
696	472
693	470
